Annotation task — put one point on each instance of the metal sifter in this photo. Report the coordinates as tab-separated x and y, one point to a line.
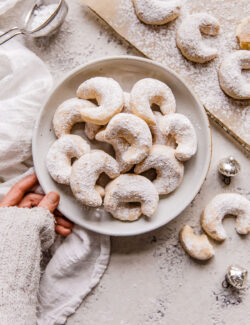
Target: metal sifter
44	18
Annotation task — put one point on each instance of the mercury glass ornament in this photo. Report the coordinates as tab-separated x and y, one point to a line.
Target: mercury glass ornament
236	277
228	167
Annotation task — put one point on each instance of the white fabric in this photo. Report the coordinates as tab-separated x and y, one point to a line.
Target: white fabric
5	5
24	82
78	264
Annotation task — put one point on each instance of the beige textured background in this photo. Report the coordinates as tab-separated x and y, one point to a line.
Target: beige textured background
150	280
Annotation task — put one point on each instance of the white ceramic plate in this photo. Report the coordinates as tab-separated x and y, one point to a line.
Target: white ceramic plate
126	70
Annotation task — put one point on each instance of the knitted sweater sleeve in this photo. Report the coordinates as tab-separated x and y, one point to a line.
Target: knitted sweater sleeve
24	234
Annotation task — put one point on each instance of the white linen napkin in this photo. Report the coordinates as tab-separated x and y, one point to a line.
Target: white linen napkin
79	262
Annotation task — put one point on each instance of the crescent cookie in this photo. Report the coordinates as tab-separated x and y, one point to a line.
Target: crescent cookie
198	247
243	33
157	12
157	135
120	146
85	172
222	205
60	154
189	38
169	170
92	129
232	82
108	95
68	114
183	131
134	131
147	92
130	188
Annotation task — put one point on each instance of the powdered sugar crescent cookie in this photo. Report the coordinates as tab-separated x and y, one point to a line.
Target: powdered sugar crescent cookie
120	146
92	129
68	114
134	131
85	172
60	154
232	82
157	12
189	38
130	188
157	135
108	95
243	33
147	92
222	205
198	247
168	169
183	131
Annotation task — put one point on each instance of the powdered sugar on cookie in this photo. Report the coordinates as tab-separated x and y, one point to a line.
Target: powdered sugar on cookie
157	12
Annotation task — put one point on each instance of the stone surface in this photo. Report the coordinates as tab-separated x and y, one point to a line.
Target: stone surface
150	279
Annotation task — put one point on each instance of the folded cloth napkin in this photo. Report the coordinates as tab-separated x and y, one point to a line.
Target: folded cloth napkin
79	262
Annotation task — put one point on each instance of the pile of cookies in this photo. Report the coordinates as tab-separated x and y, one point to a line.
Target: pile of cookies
142	140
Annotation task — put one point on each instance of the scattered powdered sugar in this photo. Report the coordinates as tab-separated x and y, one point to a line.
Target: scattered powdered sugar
130	188
159	43
169	170
157	12
222	205
41	14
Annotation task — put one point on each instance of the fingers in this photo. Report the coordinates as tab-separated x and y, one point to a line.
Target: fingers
62	230
64	222
16	193
30	200
50	201
63	226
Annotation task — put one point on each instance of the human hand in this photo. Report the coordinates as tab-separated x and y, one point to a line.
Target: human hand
20	195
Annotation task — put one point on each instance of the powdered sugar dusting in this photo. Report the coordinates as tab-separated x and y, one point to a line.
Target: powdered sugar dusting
150	91
189	38
169	170
231	79
60	154
179	126
159	43
131	188
109	96
85	173
157	12
222	205
135	131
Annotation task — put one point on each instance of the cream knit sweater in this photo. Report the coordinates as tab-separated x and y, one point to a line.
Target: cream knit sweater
24	234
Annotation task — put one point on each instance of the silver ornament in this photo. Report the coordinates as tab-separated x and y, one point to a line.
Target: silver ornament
228	167
236	277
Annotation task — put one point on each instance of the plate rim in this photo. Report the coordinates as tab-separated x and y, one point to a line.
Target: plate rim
132	58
